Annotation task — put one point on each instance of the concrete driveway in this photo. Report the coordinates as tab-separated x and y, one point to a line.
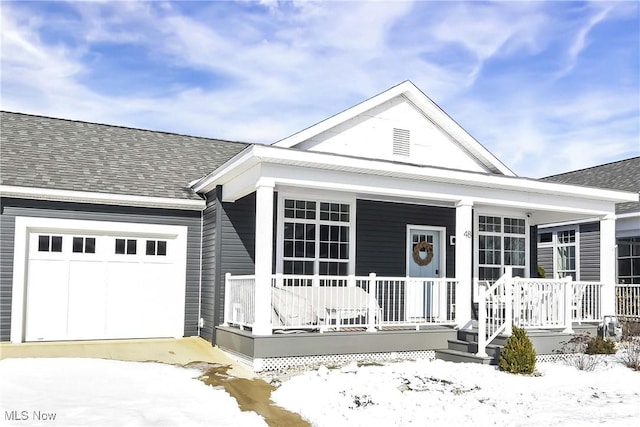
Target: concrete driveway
180	351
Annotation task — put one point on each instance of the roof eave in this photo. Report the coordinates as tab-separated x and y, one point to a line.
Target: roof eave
34	193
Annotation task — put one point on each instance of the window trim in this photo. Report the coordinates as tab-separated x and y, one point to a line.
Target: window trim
318	197
554	245
502	234
631	257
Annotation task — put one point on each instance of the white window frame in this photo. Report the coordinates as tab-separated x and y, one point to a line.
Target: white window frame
318	197
502	234
554	245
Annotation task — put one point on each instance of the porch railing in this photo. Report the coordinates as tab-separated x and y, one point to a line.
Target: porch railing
336	302
628	301
494	311
534	303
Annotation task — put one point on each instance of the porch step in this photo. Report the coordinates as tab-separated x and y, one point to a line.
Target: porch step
464	349
471	335
462	357
492	350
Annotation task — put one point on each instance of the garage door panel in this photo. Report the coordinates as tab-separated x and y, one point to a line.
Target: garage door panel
87	299
47	300
123	312
159	287
140	299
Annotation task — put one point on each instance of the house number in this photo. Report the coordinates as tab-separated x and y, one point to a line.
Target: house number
467	234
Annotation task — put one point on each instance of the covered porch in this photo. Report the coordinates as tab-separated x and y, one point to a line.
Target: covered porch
341	247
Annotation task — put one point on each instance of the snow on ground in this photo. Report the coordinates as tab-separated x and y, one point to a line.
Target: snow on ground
82	392
436	393
442	393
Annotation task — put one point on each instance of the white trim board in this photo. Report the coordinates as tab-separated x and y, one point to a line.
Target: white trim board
100	198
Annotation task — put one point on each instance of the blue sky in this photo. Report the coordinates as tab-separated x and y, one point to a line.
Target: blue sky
546	86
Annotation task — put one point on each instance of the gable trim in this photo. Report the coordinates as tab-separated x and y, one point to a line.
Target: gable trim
429	108
99	198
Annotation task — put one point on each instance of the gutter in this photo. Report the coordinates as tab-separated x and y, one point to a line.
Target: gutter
100	198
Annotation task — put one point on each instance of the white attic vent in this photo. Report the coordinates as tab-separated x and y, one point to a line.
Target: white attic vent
401	142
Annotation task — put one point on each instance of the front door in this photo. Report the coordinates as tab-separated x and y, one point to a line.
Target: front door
423	262
423	253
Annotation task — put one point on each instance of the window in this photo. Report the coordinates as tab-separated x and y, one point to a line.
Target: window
565	254
49	243
156	247
315	237
629	260
501	243
564	247
126	246
85	245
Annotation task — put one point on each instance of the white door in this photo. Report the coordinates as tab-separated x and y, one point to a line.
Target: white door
89	286
423	262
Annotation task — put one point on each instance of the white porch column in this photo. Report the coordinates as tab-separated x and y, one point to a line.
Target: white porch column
263	257
464	268
608	263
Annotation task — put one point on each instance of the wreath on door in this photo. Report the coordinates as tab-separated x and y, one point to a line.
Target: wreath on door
423	246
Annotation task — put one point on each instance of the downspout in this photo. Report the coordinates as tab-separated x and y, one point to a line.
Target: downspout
200	320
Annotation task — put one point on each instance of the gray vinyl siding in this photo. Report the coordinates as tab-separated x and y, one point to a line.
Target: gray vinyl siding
11	208
381	234
533	251
590	251
209	251
228	247
545	259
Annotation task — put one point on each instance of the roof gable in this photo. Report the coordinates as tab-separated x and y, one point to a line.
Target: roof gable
48	153
400	124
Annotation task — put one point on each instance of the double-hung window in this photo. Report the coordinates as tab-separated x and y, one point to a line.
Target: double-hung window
564	243
565	254
629	260
315	237
501	243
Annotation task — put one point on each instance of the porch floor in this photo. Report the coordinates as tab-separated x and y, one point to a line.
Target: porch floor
351	343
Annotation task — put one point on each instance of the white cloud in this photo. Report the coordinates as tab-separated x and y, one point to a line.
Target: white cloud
282	67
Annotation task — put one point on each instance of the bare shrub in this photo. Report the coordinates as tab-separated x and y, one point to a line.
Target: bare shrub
630	329
575	349
629	354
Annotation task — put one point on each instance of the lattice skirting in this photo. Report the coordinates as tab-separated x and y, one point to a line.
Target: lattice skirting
552	357
278	363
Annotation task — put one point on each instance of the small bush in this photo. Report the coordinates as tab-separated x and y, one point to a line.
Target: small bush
599	345
518	355
630	354
630	329
575	349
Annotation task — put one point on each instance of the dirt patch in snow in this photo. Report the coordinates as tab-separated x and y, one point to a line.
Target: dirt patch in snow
251	394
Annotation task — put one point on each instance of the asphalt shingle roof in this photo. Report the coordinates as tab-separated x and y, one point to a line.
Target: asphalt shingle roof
623	175
44	152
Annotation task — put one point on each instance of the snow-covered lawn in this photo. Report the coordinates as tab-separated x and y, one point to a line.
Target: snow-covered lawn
442	393
105	392
96	392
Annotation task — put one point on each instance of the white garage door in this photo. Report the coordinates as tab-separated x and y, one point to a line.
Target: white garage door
83	285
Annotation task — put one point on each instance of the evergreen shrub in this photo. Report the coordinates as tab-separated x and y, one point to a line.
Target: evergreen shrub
518	355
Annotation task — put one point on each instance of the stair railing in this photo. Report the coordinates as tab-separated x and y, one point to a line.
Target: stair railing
495	311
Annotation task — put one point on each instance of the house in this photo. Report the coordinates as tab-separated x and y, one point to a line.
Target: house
378	231
573	249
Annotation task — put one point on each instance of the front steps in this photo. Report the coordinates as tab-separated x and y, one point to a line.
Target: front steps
464	349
